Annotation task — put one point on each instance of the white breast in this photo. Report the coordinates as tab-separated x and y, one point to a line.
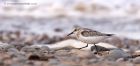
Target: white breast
92	40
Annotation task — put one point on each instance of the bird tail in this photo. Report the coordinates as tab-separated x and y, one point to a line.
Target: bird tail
109	34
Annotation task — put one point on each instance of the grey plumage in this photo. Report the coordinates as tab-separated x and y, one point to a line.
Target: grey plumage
90	33
89	36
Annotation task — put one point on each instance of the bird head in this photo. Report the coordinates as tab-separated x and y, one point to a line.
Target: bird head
76	30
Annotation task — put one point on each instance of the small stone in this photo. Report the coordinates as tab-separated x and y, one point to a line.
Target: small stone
18	46
13	50
82	53
58	30
32	48
92	61
120	60
45	48
53	62
99	48
136	60
116	54
2	63
34	57
4	47
15	53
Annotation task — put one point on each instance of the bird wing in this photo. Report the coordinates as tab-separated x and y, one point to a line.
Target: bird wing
89	33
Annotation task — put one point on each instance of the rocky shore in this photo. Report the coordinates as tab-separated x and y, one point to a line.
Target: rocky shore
40	50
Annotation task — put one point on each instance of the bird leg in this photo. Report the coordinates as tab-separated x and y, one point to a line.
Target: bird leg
83	47
96	49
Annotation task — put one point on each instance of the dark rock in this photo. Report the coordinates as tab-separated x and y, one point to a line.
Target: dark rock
58	30
99	48
34	57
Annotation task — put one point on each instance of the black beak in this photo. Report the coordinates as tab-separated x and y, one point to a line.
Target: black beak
70	34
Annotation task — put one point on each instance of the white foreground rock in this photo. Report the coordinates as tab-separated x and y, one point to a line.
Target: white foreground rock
76	44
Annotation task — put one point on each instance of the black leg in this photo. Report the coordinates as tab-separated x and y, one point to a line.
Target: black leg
96	49
83	47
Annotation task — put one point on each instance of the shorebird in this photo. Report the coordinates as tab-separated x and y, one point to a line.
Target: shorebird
89	36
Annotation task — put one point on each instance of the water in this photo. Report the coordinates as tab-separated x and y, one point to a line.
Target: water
120	16
52	8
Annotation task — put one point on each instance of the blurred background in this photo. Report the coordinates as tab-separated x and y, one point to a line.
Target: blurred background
56	18
33	31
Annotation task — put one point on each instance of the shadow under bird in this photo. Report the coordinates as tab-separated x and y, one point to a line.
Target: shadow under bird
89	36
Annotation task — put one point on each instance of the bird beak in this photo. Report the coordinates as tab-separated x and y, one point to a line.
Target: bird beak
70	34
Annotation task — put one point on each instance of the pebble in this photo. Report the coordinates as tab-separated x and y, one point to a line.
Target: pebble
136	60
116	54
4	47
53	62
